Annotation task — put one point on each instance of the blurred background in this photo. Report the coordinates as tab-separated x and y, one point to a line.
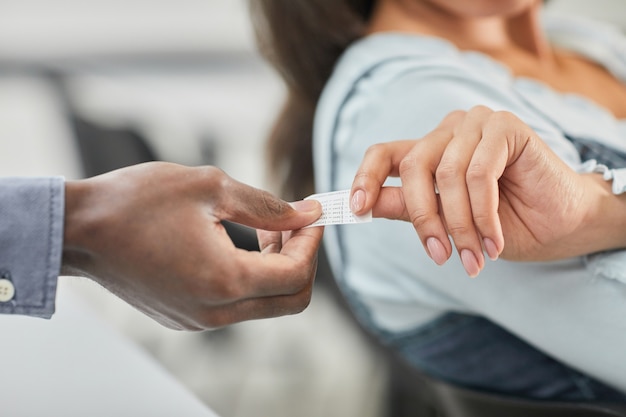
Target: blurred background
87	86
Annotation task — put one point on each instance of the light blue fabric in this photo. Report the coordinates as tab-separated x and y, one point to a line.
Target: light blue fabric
398	86
31	241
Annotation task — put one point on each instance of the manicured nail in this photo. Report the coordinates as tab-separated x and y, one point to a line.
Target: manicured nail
469	263
490	248
306	205
436	250
358	201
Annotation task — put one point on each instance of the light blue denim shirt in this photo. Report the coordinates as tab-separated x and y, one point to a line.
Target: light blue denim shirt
396	86
31	241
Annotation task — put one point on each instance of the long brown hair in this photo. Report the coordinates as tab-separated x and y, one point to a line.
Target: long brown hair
302	39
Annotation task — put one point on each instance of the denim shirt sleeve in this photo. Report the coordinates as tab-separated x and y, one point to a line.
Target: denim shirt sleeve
31	241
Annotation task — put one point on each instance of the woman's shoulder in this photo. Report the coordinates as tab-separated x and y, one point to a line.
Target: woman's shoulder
390	54
386	67
400	77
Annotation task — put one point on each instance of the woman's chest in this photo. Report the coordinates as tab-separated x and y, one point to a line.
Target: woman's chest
593	82
575	75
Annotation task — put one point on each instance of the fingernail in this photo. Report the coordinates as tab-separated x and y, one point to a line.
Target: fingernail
306	205
436	250
490	248
469	263
358	201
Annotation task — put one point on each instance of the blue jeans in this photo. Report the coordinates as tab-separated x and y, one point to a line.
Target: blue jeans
473	352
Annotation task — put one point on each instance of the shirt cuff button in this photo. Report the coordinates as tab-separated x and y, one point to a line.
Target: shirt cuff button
7	290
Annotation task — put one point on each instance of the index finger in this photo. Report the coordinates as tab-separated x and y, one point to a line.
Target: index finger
380	161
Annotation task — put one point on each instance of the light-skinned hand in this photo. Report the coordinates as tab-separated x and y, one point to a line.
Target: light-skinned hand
501	191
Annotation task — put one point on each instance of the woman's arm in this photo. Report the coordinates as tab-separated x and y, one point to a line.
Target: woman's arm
500	190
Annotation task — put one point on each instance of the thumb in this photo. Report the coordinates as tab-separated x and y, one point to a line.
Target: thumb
260	209
390	204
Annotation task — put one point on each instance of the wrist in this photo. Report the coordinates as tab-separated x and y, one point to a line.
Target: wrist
605	221
76	228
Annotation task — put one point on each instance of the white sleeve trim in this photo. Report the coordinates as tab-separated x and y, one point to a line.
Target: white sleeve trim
618	176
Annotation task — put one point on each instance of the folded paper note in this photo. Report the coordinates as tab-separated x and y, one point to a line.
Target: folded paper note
336	209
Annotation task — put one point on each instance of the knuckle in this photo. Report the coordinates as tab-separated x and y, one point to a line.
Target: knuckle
419	219
289	305
503	114
459	229
455	116
476	174
481	218
304	280
480	108
458	113
364	177
503	118
302	301
376	150
301	298
407	165
448	171
215	178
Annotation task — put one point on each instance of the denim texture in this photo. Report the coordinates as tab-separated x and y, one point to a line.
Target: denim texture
473	352
31	240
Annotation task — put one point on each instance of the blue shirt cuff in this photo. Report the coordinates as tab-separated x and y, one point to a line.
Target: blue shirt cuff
31	244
